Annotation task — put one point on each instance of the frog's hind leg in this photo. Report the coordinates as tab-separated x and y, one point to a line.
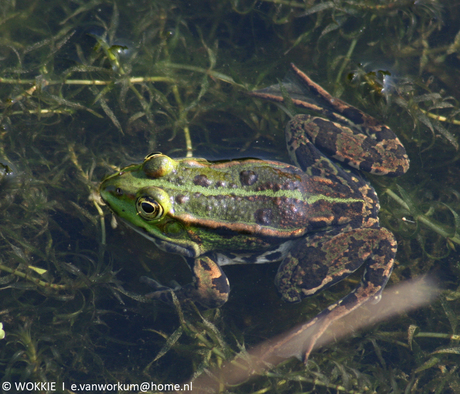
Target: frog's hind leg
342	131
349	144
318	262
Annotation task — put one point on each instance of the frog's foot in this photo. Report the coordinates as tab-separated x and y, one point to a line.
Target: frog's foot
301	341
344	132
210	287
318	262
161	292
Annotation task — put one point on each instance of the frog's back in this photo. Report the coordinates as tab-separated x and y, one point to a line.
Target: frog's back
265	198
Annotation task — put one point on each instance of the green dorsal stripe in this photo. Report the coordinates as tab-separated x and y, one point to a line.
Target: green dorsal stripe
242	192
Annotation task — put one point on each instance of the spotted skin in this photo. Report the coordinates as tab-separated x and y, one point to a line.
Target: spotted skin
348	134
319	218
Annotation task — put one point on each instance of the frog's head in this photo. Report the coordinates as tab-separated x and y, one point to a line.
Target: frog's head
137	195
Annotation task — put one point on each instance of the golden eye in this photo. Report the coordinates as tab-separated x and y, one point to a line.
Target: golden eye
149	209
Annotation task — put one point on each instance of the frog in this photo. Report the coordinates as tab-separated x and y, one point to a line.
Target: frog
317	217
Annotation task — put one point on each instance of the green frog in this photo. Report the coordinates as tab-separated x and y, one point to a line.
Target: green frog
318	217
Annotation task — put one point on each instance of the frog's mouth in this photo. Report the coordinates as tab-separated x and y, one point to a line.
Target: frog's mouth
184	248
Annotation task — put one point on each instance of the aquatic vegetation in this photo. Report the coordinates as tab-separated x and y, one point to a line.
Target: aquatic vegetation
88	87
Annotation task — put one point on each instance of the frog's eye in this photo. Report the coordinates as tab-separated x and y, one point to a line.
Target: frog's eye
151	154
149	209
153	203
157	165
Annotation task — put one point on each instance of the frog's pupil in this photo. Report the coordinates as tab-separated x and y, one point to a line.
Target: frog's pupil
148	207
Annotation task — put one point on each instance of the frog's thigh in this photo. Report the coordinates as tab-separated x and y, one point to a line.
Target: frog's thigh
210	286
318	262
381	152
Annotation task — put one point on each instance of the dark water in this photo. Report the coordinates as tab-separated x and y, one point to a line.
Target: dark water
90	87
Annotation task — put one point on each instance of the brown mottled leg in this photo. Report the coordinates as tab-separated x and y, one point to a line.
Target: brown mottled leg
317	263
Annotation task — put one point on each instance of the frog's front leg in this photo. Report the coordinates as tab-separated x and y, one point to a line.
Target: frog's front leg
320	261
210	287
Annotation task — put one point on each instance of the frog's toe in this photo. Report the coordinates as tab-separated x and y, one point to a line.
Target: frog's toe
163	296
157	286
210	287
161	292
